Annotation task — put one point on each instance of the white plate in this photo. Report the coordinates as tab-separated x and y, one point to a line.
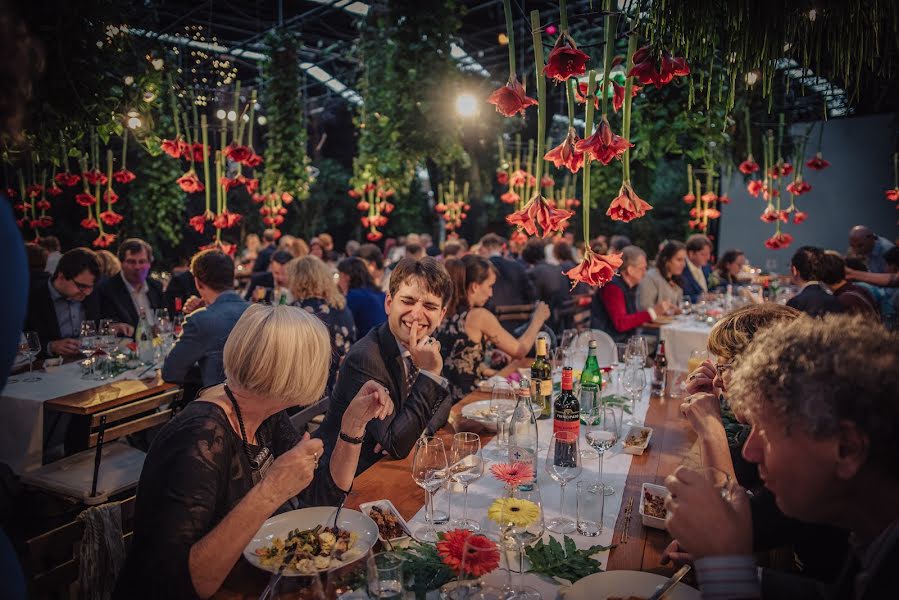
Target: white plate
480	411
601	586
307	518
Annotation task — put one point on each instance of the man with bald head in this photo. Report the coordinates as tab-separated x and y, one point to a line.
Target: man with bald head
869	247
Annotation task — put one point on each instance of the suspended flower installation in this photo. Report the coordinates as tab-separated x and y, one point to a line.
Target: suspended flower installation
511	99
376	206
565	60
453	207
893	194
644	68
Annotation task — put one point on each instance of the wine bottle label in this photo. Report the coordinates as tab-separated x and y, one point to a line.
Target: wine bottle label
565	424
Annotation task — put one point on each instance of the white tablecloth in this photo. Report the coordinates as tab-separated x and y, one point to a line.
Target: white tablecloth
681	338
484	491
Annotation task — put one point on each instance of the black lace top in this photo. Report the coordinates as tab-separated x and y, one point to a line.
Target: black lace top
195	472
462	358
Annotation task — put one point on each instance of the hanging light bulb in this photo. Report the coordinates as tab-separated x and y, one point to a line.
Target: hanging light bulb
503	39
220	114
261	120
134	120
752	77
232	116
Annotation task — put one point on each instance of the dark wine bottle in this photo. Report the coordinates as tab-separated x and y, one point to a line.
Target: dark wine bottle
567	409
542	380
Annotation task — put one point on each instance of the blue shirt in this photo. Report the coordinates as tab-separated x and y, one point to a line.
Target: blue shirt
367	306
69	313
876	262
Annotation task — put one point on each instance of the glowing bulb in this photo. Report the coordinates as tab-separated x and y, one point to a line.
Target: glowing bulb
232	116
134	121
261	120
752	77
503	39
466	105
245	117
812	15
220	114
149	96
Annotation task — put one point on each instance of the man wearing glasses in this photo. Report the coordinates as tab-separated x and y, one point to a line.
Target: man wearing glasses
122	298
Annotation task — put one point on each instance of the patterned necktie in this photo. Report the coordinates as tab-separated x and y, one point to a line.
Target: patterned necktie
411	371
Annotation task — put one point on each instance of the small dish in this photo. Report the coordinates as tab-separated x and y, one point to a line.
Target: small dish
654	491
638	434
388	507
51	364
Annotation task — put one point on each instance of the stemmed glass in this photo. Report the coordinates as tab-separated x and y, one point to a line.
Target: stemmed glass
466	466
107	342
165	329
522	524
563	463
634	381
30	347
88	342
429	470
502	405
588	397
602	433
636	350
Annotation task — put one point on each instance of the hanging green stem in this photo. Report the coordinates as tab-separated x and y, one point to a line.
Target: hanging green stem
896	170
748	132
252	118
187	131
510	33
541	93
563	16
109	169
193	110
124	147
626	114
780	137
529	168
204	131
569	93
502	151
611	22
174	111
236	109
588	131
689	178
65	153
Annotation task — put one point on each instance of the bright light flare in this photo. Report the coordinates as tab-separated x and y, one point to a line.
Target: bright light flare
466	105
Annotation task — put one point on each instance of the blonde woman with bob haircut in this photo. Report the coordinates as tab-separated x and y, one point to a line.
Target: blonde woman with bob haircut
312	285
231	458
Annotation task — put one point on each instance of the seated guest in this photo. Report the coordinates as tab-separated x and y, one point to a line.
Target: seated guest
401	356
549	281
274	281
512	284
726	270
314	290
883	291
123	298
374	260
206	329
208	482
351	248
58	305
813	298
180	289
663	282
264	254
109	265
614	306
251	246
37	261
853	298
617	243
456	248
824	430
51	244
363	298
331	255
469	327
415	251
600	244
316	248
870	247
695	278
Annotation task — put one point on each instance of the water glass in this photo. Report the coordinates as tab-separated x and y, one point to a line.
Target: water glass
634	381
637	350
385	576
590	509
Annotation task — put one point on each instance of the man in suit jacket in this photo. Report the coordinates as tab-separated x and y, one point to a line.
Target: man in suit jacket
57	306
123	297
400	355
551	285
813	298
273	279
512	284
202	340
695	278
264	256
180	288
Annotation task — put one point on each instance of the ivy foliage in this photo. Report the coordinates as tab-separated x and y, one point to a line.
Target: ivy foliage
328	206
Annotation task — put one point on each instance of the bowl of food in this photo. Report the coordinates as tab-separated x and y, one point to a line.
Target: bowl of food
637	440
652	505
392	528
303	542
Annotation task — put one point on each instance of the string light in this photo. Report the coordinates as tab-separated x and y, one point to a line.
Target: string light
261	120
232	116
503	39
220	114
134	120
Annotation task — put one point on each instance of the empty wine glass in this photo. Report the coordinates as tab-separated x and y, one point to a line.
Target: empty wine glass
466	466
602	433
634	381
563	463
522	524
502	405
636	349
88	342
30	347
429	470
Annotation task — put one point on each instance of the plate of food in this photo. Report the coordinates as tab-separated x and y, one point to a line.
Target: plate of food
626	585
480	411
305	540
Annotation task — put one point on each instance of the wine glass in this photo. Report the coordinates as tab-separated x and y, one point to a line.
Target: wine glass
429	470
588	396
634	381
466	466
30	347
106	343
602	433
165	329
502	405
636	349
88	342
563	463
686	306
521	521
567	337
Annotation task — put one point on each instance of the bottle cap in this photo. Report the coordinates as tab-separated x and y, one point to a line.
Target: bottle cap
541	346
592	344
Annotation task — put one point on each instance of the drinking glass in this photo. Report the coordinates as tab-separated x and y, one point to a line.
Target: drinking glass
567	337
106	342
177	325
602	433
621	352
476	555
697	357
588	396
636	349
502	405
165	330
634	381
466	466
429	469
522	528
686	306
30	347
718	478
385	576
590	509
88	342
563	463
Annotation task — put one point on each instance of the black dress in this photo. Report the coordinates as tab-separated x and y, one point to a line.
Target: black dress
463	359
195	472
341	328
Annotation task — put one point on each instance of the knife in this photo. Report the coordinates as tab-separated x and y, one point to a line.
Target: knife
666	587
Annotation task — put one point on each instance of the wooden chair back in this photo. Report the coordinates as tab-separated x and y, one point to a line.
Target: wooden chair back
514	312
124	420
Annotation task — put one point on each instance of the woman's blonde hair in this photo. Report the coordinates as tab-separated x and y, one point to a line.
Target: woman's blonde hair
109	263
309	277
266	346
298	247
731	335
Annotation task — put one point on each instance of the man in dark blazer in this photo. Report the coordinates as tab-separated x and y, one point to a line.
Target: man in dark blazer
512	285
401	355
57	306
180	288
813	298
264	256
694	279
123	297
275	277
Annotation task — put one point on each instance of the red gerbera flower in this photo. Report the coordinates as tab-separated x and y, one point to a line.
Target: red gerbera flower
190	183
748	166
237	153
89	223
603	145
85	199
566	154
596	269
537	213
198	223
67	179
110	196
627	206
373	236
754	187
502	177
893	194
817	163
565	60
618	94
799	217
468	553
798	187
511	98
172	148
110	217
104	240
778	241
124	176
510	198
690	198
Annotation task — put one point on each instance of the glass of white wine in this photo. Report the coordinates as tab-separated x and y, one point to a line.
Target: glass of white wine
429	470
602	433
466	466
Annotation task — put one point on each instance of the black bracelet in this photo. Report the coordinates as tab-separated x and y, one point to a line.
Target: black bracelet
351	440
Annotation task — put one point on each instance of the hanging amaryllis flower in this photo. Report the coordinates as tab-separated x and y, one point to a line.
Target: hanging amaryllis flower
580	95
627	206
373	236
45	221
89	223
110	217
198	223
748	166
254	161
354	194
779	241
711	213
537	213
23	206
565	60
43	204
770	214
252	184
511	98
519	177
689	198
11	193
258	198
604	145
34	190
362	205
509	198
387	207
724	199
695	224
195	152
799	217
104	240
572	203
769	192
226	220
190	183
596	269
85	199
547	182
110	197
441	207
798	187
67	179
172	148
230	183
817	163
286	197
892	195
95	177
644	69
124	176
518	237
709	197
502	177
238	153
786	169
565	154
618	94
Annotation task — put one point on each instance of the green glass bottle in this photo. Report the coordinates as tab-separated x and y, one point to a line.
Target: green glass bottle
542	380
591	377
283	299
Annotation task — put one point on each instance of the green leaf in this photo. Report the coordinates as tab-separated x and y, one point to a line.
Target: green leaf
564	562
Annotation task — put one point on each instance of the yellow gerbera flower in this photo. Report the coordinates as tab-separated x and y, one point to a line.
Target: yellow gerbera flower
514	511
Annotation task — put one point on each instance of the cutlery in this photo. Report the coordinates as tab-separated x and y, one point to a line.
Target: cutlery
666	587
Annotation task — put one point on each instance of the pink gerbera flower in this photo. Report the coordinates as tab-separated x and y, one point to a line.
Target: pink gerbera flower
513	474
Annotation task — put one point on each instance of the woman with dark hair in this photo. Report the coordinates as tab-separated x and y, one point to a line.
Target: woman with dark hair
363	297
468	326
729	265
663	282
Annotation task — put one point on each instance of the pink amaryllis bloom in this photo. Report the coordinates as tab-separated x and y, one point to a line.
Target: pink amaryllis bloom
799	217
628	205
565	154
595	270
513	474
565	60
509	198
798	187
603	145
817	163
779	241
537	215
511	99
518	177
748	166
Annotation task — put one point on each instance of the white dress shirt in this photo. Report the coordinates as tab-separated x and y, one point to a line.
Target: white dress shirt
140	298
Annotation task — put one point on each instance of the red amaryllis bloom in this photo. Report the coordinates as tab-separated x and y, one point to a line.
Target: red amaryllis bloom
373	236
34	190
565	154
628	205
198	223
362	205
22	206
354	194
468	553
238	153
258	198
110	217
229	249
770	214
89	223
369	187
518	237
513	474
44	221
441	207
67	179
124	176
694	212
892	195
172	148
799	217
11	193
603	145
724	199
709	197
511	98
518	177
85	199
547	182
537	213
754	187
644	69
387	207
43	204
798	187
572	203
95	176
110	197
510	198
779	241
786	169
689	198
618	94
104	240
286	198
254	161
817	163
226	220
190	183
712	213
695	224
502	177
769	192
596	269
748	166
386	193
565	60
252	185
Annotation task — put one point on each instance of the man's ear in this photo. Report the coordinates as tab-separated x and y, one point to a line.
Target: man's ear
387	302
853	449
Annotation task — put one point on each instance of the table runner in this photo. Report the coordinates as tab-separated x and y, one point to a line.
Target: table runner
681	338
